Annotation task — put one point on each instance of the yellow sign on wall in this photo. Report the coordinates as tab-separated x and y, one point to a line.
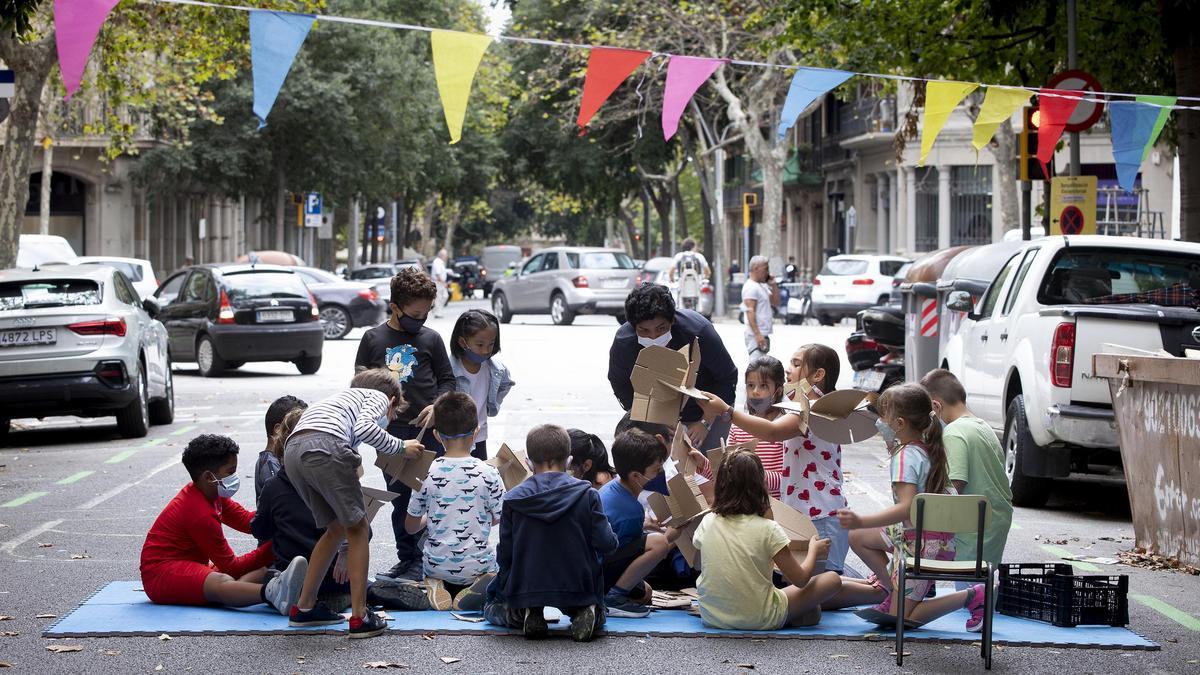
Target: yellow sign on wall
1073	205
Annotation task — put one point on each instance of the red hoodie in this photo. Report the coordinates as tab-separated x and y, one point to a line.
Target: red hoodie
189	528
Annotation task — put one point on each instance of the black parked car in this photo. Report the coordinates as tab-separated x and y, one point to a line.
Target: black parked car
222	316
344	305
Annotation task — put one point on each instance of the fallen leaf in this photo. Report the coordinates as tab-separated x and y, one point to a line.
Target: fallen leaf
159	667
80	556
469	619
42	544
5	664
110	652
164	637
428	637
5	617
449	659
839	656
46	616
60	649
747	666
384	664
9	633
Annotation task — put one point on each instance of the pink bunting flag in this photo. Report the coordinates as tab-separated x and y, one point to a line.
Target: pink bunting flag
685	74
1055	107
76	25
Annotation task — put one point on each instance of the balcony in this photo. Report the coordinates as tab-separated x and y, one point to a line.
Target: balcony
78	123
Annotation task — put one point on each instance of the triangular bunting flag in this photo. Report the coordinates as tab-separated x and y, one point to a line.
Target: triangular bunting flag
999	103
808	84
456	57
685	74
275	39
1132	124
941	98
607	68
76	25
1053	113
1163	113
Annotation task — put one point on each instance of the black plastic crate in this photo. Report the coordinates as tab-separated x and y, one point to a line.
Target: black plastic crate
1053	593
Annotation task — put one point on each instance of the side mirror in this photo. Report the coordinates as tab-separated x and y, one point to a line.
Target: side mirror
960	301
152	307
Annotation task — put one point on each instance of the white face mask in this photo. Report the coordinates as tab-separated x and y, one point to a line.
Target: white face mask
660	341
228	486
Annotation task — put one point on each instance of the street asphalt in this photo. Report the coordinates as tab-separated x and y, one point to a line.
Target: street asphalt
76	501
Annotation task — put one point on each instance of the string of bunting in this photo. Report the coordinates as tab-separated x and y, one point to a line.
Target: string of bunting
276	37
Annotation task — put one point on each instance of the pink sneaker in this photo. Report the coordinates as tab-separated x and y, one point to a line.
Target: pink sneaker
976	607
884	607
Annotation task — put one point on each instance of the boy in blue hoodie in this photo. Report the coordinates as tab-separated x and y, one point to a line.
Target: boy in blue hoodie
553	534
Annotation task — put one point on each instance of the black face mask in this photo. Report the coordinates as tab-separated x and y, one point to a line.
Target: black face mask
406	322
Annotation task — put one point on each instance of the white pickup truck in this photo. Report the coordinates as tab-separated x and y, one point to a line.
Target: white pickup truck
1024	350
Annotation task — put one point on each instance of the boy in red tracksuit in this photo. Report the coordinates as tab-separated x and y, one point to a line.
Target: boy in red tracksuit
186	559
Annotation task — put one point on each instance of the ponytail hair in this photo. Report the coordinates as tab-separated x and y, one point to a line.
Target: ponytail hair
280	436
911	403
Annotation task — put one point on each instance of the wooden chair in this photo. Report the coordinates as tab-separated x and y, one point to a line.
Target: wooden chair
948	513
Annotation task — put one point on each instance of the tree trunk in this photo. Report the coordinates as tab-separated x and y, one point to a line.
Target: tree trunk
630	230
452	216
31	64
428	211
770	235
1006	175
280	211
1187	83
680	219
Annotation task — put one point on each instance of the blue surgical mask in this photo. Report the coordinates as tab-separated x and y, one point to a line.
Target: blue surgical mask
471	356
409	324
660	341
382	422
228	486
760	405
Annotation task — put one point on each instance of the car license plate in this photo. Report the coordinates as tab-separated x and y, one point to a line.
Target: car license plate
275	315
834	296
614	283
868	380
28	336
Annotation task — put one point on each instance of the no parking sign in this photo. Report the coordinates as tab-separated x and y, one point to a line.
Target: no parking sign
1073	205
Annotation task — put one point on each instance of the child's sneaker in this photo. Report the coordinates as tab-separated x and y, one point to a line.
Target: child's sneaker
619	605
407	596
470	599
283	590
976	607
583	624
369	625
405	570
534	626
319	615
439	597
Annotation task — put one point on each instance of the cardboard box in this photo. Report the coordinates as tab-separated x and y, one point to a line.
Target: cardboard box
838	418
717	454
511	465
681	451
375	499
411	472
662	380
798	526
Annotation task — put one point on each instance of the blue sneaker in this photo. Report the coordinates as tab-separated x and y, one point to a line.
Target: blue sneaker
619	605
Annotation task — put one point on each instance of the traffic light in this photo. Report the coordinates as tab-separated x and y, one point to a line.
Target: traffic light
1030	167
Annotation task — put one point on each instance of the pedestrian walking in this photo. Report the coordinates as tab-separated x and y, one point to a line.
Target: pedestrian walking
760	295
440	280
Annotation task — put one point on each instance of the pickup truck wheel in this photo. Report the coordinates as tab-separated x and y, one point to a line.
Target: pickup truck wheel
1018	445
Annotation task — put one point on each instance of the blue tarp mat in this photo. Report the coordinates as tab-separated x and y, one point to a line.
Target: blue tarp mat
122	609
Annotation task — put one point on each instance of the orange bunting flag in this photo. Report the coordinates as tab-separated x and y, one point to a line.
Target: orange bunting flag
607	68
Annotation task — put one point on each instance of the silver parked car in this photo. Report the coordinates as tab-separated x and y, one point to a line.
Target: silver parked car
565	281
77	340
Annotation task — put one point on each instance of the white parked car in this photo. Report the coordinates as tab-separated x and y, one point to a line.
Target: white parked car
851	283
1024	350
77	340
139	272
39	249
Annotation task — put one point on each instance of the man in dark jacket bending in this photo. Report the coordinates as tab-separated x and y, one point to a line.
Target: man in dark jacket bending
553	534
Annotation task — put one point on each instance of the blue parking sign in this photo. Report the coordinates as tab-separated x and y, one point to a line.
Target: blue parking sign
312	209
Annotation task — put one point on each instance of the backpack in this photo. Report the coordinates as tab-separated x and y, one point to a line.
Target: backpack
689	263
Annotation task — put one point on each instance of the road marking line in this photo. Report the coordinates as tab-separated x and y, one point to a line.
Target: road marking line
1173	613
120	457
1063	553
11	544
74	477
153	442
92	503
193	407
249	413
184	430
24	499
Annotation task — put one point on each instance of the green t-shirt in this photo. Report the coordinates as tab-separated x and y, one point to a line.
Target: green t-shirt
976	458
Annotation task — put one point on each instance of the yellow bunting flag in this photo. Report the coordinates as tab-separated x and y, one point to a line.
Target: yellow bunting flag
456	57
999	104
941	98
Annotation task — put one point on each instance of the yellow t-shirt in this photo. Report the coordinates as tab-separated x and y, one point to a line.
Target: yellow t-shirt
735	572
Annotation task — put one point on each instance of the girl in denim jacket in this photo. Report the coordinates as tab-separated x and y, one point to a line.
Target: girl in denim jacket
474	344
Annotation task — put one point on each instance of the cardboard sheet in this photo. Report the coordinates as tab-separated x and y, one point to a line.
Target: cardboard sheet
717	454
838	418
799	527
411	472
511	465
662	380
375	500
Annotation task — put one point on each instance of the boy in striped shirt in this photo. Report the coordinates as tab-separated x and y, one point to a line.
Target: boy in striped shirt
323	464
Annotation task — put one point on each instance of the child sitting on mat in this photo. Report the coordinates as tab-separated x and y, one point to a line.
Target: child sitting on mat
589	459
186	559
739	543
552	534
270	460
918	464
460	501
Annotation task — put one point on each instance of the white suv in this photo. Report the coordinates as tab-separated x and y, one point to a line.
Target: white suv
851	283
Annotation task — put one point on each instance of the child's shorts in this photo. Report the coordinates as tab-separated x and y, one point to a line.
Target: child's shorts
829	528
938	546
616	562
324	471
176	582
